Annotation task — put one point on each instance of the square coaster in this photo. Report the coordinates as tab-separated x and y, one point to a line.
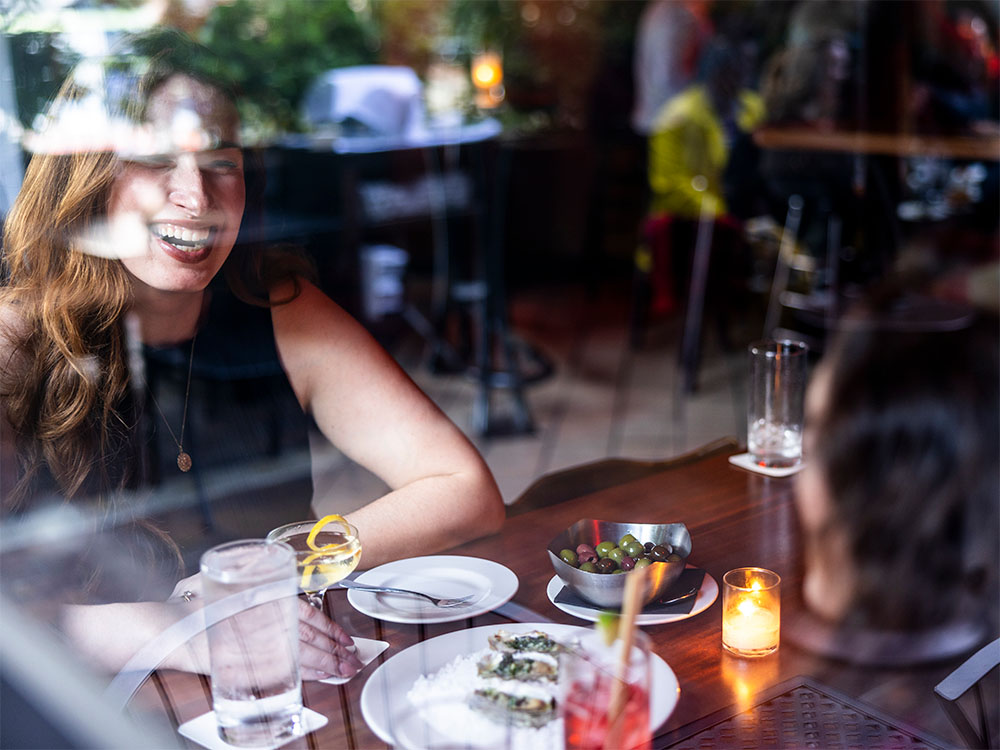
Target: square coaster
367	650
204	730
744	461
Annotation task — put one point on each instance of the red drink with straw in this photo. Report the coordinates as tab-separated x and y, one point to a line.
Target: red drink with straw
607	704
587	726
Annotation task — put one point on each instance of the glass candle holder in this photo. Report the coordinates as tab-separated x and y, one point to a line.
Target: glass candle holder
751	611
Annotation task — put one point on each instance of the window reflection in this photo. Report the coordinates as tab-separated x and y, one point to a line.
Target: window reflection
354	126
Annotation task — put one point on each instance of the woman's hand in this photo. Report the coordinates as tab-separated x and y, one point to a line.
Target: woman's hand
187	589
325	649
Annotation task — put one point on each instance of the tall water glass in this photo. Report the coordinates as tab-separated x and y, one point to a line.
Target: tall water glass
775	402
252	613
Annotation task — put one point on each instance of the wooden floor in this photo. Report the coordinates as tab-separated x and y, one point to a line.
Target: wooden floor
604	398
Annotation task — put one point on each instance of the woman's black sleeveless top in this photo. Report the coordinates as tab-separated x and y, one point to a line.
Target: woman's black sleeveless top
245	432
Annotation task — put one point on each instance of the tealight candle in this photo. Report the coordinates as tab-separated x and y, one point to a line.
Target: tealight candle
751	611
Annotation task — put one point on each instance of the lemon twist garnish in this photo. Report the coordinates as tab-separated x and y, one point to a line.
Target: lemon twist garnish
318	526
308	568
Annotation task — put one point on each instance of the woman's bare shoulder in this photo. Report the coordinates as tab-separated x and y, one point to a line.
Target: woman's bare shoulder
308	306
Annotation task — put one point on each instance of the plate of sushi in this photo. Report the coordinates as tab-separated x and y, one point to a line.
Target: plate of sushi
485	687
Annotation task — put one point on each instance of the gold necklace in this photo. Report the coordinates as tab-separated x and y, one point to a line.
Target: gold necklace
183	458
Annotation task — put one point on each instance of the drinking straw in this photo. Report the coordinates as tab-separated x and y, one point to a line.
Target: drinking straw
635	587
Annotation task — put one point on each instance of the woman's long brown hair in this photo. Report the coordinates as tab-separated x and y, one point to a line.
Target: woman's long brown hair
65	400
69	351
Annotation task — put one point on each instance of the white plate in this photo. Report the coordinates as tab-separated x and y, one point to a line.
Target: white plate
386	708
490	583
706	596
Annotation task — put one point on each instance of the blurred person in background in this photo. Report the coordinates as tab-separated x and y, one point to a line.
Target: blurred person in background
690	143
693	133
133	308
671	37
898	498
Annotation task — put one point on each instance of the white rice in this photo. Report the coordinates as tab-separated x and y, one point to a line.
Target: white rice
442	701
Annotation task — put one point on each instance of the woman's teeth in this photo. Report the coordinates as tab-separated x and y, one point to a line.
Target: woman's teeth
183	238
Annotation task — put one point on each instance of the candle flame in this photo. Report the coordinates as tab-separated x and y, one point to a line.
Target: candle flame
755	586
746	607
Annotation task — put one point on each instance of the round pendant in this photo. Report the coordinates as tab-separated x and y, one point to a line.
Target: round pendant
183	461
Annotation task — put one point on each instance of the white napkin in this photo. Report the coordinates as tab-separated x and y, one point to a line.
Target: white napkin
204	730
367	650
745	461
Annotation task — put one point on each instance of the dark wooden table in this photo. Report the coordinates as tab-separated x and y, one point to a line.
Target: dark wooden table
736	518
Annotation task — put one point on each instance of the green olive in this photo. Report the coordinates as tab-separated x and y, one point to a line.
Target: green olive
617	554
627	539
589	567
568	556
633	549
604	548
642	562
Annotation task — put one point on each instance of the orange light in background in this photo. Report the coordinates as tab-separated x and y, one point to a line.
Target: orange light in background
487	77
487	71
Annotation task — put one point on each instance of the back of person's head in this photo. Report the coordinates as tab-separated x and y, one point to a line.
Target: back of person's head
908	444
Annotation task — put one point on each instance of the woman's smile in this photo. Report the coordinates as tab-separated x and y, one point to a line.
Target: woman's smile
182	238
187	245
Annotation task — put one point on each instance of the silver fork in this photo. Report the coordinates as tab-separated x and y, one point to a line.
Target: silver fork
437	602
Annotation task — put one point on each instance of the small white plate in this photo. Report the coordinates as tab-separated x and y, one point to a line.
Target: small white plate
706	596
490	584
391	716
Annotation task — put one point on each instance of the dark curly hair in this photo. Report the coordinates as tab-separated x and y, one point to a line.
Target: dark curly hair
909	447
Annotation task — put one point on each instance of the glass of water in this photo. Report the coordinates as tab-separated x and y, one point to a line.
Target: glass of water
775	402
251	608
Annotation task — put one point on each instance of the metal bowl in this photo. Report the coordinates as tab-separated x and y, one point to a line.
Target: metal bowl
606	590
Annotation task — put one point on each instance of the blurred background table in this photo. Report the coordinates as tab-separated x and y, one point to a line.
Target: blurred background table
886	144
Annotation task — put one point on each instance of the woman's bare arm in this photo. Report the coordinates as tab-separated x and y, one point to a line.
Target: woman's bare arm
442	492
108	636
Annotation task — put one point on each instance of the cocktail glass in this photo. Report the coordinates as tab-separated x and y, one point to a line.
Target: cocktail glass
326	551
606	704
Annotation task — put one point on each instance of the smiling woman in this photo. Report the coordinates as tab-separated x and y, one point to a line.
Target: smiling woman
121	343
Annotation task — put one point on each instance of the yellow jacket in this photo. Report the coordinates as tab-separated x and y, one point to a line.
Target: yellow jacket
688	140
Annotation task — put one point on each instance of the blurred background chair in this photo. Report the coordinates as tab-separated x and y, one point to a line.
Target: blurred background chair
584	479
971	676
